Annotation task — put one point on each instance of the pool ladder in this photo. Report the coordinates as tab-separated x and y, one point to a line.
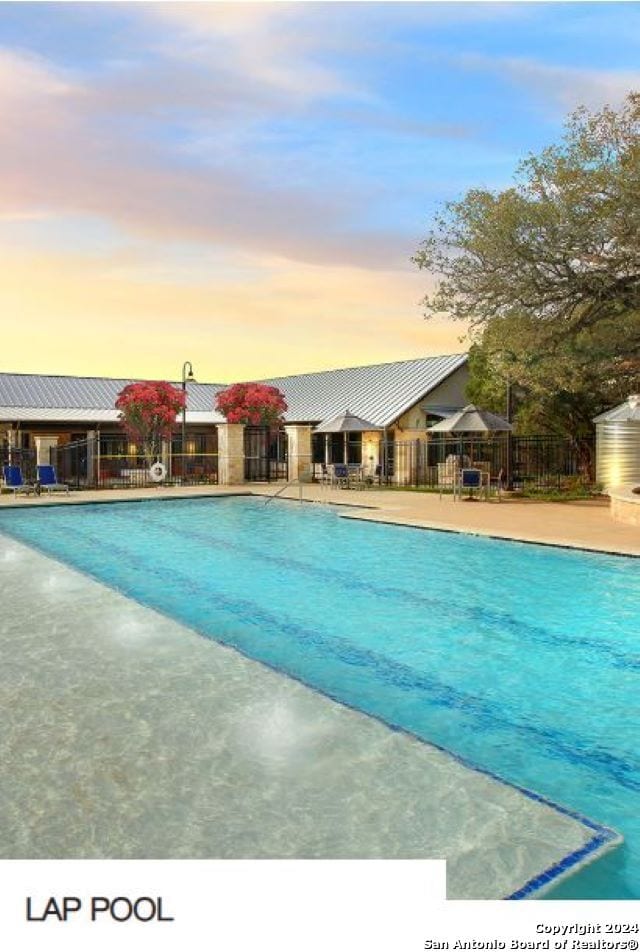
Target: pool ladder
299	481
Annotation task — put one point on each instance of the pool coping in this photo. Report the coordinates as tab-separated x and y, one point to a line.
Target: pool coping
454	530
361	515
605	838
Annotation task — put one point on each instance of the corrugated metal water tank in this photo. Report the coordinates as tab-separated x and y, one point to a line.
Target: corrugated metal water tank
618	444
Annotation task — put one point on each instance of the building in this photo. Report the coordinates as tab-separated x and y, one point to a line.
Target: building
38	412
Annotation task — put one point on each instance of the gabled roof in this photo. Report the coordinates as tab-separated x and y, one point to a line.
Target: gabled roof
86	399
380	393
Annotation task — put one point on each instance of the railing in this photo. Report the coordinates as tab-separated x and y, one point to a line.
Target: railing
299	481
525	462
109	462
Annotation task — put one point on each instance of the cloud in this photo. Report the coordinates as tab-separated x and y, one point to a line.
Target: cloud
564	87
68	146
275	44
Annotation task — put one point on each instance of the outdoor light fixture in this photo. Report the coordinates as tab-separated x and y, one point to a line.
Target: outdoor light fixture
187	376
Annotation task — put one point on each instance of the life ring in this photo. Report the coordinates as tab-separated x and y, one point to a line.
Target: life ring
157	471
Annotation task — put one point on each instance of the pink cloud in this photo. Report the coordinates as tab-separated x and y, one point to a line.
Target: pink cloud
65	146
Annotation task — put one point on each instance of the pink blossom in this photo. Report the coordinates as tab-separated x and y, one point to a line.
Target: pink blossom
148	412
256	404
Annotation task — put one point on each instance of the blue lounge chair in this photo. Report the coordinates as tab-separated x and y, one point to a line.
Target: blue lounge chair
48	480
13	480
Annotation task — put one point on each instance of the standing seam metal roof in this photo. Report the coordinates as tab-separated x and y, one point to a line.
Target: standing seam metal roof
83	393
379	393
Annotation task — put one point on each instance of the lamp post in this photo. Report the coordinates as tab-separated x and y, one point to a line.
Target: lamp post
187	376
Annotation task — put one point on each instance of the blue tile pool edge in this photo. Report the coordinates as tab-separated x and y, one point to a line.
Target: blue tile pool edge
605	839
43	502
571	864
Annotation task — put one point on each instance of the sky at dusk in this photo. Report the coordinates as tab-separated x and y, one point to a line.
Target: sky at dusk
243	185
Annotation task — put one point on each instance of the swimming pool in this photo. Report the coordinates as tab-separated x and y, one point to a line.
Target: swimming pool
523	659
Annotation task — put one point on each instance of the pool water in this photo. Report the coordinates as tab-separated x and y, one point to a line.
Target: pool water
523	659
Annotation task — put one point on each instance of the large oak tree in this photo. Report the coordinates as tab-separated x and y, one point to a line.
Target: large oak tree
547	275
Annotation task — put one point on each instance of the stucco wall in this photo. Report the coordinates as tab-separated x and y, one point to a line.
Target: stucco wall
451	392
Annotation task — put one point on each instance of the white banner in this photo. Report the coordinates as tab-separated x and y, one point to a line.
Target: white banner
284	905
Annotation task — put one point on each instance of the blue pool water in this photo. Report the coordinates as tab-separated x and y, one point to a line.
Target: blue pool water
523	659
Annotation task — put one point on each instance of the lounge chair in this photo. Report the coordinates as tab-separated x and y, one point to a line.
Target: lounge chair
13	480
48	480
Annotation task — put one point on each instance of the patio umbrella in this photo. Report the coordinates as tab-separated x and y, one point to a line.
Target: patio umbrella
472	420
345	423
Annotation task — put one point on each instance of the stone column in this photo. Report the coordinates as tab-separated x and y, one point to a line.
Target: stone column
299	451
230	453
371	451
43	446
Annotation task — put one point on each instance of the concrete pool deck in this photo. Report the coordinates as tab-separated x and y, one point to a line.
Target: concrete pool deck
126	734
582	524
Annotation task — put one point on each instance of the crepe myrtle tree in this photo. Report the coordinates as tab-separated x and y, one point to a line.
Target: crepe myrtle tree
256	404
148	413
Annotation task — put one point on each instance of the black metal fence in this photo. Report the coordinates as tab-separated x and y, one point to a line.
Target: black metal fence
522	462
265	454
110	461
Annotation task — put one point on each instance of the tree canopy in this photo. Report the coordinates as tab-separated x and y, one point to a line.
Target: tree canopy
547	274
148	413
257	404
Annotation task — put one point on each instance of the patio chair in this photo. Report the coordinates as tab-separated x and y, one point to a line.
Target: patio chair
325	476
48	480
449	474
341	475
13	480
355	477
470	479
448	471
376	477
497	484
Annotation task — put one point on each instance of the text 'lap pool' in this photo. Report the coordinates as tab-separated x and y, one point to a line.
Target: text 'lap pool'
522	659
